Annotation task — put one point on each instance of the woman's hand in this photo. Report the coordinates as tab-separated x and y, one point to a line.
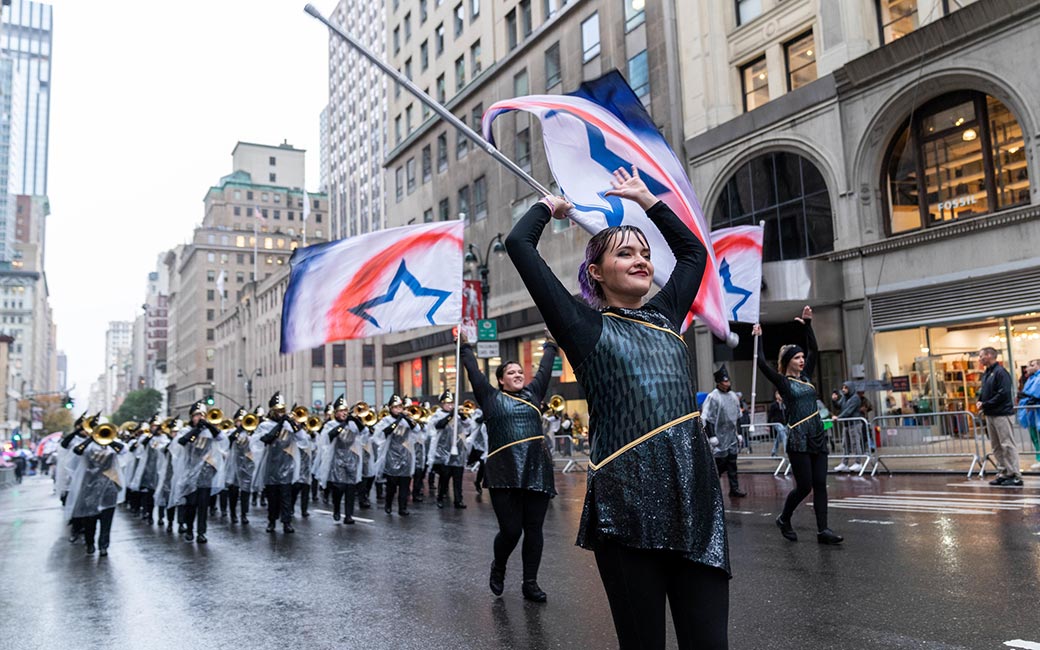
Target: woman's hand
631	187
548	336
756	330
462	336
806	314
559	206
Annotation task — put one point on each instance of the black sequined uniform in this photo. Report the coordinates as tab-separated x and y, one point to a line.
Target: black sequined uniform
805	428
518	453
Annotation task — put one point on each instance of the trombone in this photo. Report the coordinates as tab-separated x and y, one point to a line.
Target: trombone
314	423
104	434
362	411
300	414
250	421
467	408
214	416
555	406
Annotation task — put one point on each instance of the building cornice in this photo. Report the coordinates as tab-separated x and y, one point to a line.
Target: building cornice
956	229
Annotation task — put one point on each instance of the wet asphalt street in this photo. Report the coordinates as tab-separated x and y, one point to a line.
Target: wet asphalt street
929	562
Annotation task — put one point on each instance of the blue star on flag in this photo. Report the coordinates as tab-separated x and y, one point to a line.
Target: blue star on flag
405	277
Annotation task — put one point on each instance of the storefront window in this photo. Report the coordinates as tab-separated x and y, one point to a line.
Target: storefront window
942	365
961	157
410	377
441	372
787	192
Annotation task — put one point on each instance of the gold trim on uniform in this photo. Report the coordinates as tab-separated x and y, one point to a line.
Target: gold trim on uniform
643	322
524	401
515	442
806	419
644	438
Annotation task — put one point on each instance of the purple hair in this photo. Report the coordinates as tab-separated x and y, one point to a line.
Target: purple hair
601	242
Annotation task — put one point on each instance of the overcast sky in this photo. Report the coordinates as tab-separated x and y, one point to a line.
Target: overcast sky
148	99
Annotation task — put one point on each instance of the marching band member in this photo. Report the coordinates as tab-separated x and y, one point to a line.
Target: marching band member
447	454
278	464
519	474
477	443
97	486
307	444
422	446
396	461
342	460
164	488
369	449
653	508
198	471
67	462
238	471
146	476
720	414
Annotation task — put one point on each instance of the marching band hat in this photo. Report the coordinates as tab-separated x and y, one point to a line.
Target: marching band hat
447	396
721	374
276	401
239	414
340	404
395	400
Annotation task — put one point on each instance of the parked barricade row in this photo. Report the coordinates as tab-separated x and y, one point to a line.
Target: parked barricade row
757	438
852	441
1026	438
922	440
570	451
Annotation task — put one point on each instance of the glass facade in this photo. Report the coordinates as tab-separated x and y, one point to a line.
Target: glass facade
755	80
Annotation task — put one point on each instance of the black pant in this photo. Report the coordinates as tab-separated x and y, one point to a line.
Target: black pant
223	498
417	481
392	485
444	472
90	524
343	493
303	491
314	489
638	581
147	502
364	490
728	465
810	475
133	500
238	496
279	503
196	508
519	512
477	456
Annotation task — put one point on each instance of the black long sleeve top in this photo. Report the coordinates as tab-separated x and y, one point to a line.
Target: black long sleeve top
997	391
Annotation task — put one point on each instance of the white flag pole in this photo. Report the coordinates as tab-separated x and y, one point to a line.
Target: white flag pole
754	362
458	375
437	108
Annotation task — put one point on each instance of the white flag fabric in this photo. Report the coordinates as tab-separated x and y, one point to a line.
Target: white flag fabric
738	252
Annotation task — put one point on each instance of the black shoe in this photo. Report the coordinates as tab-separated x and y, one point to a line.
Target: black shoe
367	505
786	529
188	536
828	536
389	511
234	519
201	539
169	525
460	505
181	528
348	520
1000	480
150	520
73	538
223	515
404	513
533	592
479	489
417	498
497	580
90	549
287	529
161	523
440	503
270	526
335	517
245	522
305	514
737	493
1014	480
103	552
212	512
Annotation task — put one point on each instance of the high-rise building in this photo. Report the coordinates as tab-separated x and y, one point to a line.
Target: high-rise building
62	372
323	128
208	275
118	364
12	124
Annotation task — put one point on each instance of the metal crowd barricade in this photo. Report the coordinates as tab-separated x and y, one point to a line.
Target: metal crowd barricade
6	476
572	451
1027	438
921	439
765	434
852	439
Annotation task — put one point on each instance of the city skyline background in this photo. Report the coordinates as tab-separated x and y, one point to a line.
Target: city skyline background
145	113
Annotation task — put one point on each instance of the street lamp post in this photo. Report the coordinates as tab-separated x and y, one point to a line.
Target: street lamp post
249	384
473	258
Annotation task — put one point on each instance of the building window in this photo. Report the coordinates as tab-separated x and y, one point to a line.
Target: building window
339	355
442	88
340	388
423	14
478	114
639	74
438	39
635	14
748	10
209	371
397	130
474	58
210	294
788	193
460	73
368	355
526	26
461	145
424	55
272	178
408	68
407	27
800	55
442	152
520	85
209	334
397	40
511	39
755	81
210	315
427	164
460	19
237	211
211	275
552	66
410	172
408	119
896	19
317	394
427	215
551	7
318	357
474	9
368	391
444	210
464	202
523	149
590	38
963	156
480	198
399	179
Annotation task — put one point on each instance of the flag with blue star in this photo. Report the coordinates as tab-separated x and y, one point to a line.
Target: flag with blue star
739	252
376	283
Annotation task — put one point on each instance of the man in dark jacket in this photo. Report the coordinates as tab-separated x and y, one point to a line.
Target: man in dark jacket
996	402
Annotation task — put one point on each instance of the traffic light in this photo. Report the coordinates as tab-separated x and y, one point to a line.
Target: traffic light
209	399
68	402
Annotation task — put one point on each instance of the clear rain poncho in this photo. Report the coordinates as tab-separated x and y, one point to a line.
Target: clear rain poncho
147	452
721	410
97	483
308	446
165	472
67	462
445	447
369	453
342	456
478	434
277	463
239	468
397	446
198	464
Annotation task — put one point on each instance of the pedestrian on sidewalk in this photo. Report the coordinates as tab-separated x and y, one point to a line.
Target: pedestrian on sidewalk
806	440
720	414
996	403
1029	407
776	416
848	406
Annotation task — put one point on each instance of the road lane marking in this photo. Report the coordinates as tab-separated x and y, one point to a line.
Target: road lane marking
1024	645
356	518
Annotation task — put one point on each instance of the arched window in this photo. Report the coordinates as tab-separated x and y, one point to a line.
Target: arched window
788	193
961	156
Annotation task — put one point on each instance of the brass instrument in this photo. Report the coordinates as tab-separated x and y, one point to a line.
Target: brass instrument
300	414
104	434
466	409
555	406
130	427
414	411
426	415
314	423
250	421
214	416
382	414
87	426
363	412
226	424
169	426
